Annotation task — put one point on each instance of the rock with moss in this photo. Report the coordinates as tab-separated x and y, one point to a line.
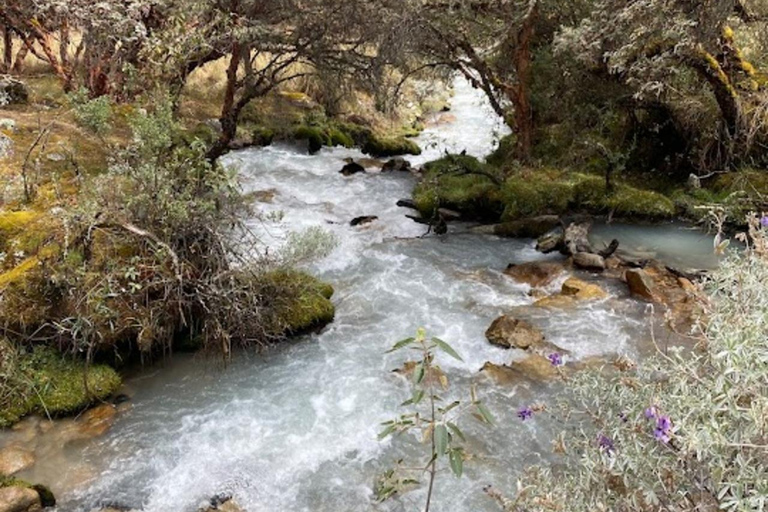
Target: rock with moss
45	382
13	90
302	301
461	183
384	147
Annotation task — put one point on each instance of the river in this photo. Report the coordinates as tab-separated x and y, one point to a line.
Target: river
295	429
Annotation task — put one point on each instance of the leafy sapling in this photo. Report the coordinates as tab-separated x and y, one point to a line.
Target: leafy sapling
436	424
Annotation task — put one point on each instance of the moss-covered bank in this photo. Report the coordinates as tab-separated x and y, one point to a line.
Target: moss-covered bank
42	381
479	191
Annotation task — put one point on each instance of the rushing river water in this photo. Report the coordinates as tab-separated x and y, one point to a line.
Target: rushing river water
296	429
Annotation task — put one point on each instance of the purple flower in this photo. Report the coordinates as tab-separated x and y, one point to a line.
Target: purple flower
764	221
650	412
663	427
556	359
605	443
525	413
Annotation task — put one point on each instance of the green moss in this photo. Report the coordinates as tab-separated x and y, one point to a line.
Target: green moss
626	201
384	147
49	383
304	301
263	136
504	153
527	196
339	138
459	183
316	137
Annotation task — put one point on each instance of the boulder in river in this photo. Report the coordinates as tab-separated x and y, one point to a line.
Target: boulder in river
589	261
398	164
582	290
362	221
407	203
352	168
641	285
508	332
19	499
14	459
535	273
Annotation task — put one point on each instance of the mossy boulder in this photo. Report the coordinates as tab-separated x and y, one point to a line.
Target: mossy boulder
316	137
590	195
528	196
48	383
385	147
460	183
303	301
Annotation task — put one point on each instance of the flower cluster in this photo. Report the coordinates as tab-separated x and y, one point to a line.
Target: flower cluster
556	359
525	413
764	221
663	427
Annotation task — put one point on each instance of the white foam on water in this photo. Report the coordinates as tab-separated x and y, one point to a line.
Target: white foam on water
296	429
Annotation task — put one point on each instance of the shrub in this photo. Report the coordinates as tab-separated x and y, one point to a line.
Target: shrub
684	431
95	115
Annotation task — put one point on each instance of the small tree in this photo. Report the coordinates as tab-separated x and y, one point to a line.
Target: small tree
437	426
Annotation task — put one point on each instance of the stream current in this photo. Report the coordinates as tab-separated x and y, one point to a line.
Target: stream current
295	429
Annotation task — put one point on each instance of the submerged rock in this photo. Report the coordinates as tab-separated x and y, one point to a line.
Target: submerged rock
535	273
508	332
14	459
352	168
407	203
398	164
582	290
361	221
19	499
97	421
534	368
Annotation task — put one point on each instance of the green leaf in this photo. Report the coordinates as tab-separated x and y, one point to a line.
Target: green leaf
446	348
400	344
418	396
448	409
386	432
441	439
418	373
485	413
458	433
456	459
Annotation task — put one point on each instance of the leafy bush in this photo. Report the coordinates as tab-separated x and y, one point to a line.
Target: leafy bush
95	115
684	431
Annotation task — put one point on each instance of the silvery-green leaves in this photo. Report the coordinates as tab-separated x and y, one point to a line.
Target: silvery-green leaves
713	454
433	418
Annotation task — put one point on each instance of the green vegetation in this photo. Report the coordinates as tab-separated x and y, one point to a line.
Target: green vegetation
702	424
42	381
476	189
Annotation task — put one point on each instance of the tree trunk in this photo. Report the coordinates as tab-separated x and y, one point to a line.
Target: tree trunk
7	50
520	93
229	111
21	55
